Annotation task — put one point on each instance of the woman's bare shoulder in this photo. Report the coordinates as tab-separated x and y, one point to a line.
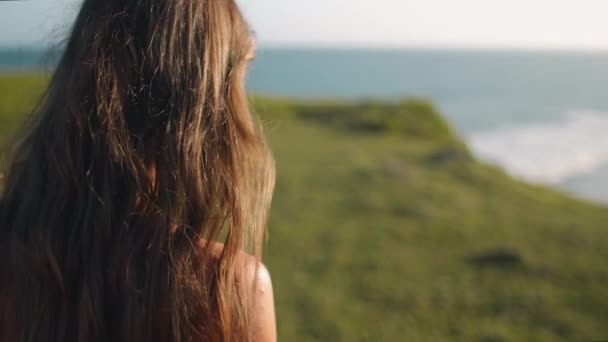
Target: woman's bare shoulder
256	273
264	313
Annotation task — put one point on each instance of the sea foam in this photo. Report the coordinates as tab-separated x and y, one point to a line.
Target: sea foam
548	153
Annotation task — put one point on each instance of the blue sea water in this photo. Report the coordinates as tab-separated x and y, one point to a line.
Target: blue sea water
542	115
26	58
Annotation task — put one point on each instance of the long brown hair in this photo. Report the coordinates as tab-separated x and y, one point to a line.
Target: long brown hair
142	154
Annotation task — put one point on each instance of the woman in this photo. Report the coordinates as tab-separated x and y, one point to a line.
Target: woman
142	158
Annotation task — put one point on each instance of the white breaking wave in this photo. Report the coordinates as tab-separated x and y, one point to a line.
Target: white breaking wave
548	153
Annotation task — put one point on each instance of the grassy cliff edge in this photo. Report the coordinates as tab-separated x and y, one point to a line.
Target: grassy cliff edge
385	228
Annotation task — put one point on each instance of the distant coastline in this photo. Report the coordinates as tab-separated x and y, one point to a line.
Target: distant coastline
510	105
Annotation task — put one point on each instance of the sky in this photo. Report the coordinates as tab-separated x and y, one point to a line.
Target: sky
562	24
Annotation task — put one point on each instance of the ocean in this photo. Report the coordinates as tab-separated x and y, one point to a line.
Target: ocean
541	115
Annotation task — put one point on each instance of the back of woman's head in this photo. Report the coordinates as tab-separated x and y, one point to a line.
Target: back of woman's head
141	154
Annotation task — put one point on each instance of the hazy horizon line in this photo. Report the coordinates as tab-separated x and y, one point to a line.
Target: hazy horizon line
372	46
416	46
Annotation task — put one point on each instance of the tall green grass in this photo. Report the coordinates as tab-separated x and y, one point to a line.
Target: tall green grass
385	228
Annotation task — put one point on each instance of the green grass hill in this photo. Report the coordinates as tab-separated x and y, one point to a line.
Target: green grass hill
384	227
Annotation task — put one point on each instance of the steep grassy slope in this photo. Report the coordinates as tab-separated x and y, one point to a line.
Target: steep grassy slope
384	228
